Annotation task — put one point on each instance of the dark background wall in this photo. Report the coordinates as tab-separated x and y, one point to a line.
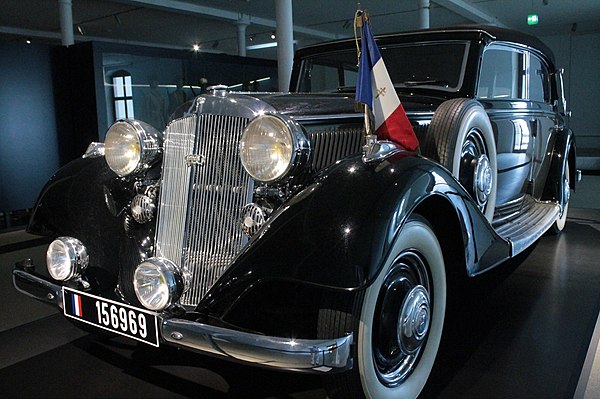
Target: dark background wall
28	133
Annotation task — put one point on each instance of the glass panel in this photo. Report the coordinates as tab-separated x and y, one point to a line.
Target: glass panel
162	84
500	75
120	109
437	66
130	114
118	87
538	80
127	85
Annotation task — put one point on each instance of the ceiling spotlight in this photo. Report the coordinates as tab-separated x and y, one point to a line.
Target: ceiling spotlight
80	29
252	37
196	47
273	35
28	41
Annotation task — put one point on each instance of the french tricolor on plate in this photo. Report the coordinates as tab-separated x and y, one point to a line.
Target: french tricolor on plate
375	89
77	311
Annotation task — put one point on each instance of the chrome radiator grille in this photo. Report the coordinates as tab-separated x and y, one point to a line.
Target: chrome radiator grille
204	188
330	145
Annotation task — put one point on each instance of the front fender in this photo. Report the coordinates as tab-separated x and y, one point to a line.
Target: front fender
338	231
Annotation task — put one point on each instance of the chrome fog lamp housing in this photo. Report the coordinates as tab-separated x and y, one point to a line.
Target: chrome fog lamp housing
131	147
272	146
158	283
66	258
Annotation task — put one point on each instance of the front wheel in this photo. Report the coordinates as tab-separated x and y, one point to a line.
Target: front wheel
397	322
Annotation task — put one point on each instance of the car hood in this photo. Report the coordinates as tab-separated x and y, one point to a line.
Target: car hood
315	104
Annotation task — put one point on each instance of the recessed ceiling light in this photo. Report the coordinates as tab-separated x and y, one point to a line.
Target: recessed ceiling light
196	47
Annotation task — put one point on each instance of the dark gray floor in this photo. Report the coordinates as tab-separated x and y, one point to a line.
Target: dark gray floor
522	331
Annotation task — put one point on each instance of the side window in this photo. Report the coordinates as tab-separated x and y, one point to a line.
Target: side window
123	95
537	79
501	74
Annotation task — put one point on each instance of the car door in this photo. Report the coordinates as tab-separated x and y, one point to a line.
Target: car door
505	88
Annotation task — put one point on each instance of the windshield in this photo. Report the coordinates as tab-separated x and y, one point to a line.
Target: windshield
438	66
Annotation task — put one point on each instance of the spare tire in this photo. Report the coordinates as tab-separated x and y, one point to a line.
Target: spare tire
460	137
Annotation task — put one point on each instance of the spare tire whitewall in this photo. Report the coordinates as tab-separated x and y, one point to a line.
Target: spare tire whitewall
460	137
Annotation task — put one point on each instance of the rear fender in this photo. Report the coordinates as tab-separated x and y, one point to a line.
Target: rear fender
564	150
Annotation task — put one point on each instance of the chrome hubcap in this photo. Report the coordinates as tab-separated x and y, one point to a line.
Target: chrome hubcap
475	172
483	179
402	318
414	320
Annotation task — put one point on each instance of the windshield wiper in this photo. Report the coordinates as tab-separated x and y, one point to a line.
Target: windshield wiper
428	82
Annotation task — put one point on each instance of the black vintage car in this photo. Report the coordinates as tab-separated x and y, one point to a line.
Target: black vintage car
261	228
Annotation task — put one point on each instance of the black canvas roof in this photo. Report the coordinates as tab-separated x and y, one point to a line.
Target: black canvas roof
468	32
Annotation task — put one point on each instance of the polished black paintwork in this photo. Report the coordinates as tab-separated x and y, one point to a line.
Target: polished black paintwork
337	232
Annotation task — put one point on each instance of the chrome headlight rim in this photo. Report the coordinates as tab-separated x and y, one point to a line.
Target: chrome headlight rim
147	138
297	138
173	285
72	251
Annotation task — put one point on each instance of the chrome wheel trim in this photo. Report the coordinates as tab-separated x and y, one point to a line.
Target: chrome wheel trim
475	168
562	219
420	237
402	318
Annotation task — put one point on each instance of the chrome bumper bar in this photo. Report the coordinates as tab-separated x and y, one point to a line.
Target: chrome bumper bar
284	353
309	355
28	282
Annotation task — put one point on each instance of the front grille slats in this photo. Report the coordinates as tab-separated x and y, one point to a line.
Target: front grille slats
332	144
200	205
198	225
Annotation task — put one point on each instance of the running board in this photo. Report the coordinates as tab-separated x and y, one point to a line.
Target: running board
534	220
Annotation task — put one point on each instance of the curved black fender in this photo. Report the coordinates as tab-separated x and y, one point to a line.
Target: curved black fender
85	199
337	232
564	150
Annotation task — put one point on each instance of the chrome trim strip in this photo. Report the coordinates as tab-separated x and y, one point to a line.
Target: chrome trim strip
328	117
317	355
534	220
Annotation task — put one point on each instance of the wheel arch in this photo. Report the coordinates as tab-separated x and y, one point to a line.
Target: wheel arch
564	144
445	222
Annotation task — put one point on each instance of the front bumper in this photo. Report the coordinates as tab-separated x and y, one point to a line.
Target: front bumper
309	355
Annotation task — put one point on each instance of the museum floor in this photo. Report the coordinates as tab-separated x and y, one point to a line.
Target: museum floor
527	330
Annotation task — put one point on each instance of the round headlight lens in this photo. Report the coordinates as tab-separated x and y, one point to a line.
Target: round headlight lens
157	283
66	258
267	148
123	148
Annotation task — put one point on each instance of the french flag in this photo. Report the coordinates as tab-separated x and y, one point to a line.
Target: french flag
77	311
375	89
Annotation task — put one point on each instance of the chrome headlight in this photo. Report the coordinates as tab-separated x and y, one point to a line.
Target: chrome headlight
272	146
131	146
66	258
158	283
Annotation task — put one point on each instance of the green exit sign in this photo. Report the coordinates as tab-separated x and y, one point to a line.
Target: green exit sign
532	19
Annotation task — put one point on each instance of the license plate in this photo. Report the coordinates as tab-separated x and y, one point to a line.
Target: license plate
132	322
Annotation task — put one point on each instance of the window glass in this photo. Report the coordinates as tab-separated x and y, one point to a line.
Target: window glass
437	65
122	93
539	88
501	75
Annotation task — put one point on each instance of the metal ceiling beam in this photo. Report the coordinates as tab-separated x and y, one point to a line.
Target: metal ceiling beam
222	15
469	11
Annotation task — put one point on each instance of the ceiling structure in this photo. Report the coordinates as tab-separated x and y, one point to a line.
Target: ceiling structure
212	24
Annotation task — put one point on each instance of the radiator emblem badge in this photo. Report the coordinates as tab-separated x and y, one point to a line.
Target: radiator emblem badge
195	159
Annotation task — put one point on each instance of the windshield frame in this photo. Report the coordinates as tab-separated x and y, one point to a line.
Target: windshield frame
306	61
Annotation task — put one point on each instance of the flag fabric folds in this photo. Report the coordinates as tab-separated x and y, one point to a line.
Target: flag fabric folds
374	88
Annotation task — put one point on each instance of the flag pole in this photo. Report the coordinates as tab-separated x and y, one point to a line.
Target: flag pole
360	18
